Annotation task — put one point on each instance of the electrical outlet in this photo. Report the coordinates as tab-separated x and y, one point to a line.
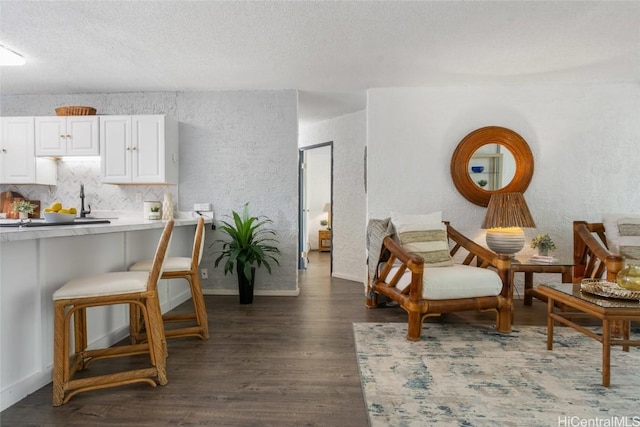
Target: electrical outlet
202	207
204	273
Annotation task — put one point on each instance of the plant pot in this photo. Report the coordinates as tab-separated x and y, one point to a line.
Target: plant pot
543	252
23	215
245	286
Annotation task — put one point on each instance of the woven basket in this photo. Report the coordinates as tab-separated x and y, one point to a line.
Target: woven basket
608	289
75	111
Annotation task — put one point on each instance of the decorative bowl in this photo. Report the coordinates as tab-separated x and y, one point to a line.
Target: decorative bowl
58	217
477	169
607	289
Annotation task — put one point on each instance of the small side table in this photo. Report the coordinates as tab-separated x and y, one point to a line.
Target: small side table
526	266
324	240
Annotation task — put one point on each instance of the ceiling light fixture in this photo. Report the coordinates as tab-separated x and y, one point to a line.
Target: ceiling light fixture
10	58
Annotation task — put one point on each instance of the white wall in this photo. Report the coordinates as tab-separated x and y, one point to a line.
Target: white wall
235	147
584	140
318	182
348	134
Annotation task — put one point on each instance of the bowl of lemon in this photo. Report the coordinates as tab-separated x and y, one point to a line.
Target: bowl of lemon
57	213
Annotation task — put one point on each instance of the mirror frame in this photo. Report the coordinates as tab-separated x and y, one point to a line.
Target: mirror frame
491	135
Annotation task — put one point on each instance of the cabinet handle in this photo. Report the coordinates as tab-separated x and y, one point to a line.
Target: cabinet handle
128	148
63	136
4	150
68	136
134	148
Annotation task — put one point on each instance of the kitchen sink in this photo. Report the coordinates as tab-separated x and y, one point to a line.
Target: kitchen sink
42	223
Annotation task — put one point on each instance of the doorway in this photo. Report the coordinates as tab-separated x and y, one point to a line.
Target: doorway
315	201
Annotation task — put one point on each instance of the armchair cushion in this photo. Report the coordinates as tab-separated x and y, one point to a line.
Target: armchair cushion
629	242
611	221
424	236
457	281
629	226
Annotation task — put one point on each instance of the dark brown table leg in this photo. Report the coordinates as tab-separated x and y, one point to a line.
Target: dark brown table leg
549	324
606	352
626	325
528	286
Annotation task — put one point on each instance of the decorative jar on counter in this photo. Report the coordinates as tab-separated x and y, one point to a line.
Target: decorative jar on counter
167	207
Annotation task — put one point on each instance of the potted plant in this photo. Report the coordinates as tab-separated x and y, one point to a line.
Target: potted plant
544	244
324	222
23	208
249	245
155	212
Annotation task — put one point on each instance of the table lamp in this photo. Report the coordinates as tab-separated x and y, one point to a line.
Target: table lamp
327	209
506	214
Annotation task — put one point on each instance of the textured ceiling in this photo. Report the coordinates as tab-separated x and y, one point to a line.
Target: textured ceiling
329	50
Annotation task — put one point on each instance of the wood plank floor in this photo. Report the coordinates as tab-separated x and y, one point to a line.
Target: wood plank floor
282	361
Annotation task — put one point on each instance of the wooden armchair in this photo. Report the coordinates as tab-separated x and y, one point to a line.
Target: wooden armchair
407	289
591	256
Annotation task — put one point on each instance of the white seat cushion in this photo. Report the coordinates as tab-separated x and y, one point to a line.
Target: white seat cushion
170	264
457	281
121	282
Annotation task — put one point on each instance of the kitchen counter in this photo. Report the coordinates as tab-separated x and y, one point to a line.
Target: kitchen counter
36	261
120	224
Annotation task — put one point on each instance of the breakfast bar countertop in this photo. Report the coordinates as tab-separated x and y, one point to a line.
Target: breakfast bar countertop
116	224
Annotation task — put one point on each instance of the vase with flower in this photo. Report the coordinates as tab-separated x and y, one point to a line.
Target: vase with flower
23	208
544	244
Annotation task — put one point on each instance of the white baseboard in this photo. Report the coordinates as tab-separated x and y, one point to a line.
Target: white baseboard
18	391
25	386
21	389
348	277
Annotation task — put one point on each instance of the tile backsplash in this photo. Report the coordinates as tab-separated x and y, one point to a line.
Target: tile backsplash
102	197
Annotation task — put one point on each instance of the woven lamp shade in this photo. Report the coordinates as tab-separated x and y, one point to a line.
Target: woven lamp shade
508	210
506	214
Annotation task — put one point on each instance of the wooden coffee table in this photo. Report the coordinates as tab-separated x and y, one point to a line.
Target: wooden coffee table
608	310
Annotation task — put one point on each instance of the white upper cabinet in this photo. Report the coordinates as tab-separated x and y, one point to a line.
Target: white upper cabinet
139	149
67	136
18	163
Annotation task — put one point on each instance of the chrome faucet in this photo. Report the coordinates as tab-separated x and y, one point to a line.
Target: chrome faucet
83	212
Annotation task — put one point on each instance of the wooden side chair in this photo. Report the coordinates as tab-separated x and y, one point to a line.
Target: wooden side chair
180	268
134	288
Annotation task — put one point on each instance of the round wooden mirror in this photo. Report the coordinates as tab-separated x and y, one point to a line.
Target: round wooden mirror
491	160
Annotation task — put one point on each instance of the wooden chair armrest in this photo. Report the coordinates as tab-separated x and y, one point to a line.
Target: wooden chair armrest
590	257
485	257
413	263
397	251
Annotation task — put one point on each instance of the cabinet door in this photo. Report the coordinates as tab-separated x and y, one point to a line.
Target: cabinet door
51	136
17	151
148	133
115	149
82	136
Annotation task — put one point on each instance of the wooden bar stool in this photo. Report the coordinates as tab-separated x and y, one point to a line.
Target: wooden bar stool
180	268
134	288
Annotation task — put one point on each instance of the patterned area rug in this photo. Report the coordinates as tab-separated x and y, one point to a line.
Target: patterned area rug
470	375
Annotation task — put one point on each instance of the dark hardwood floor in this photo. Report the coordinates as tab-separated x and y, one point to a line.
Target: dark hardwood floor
281	361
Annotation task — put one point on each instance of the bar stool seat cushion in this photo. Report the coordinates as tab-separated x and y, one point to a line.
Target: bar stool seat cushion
116	283
171	264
